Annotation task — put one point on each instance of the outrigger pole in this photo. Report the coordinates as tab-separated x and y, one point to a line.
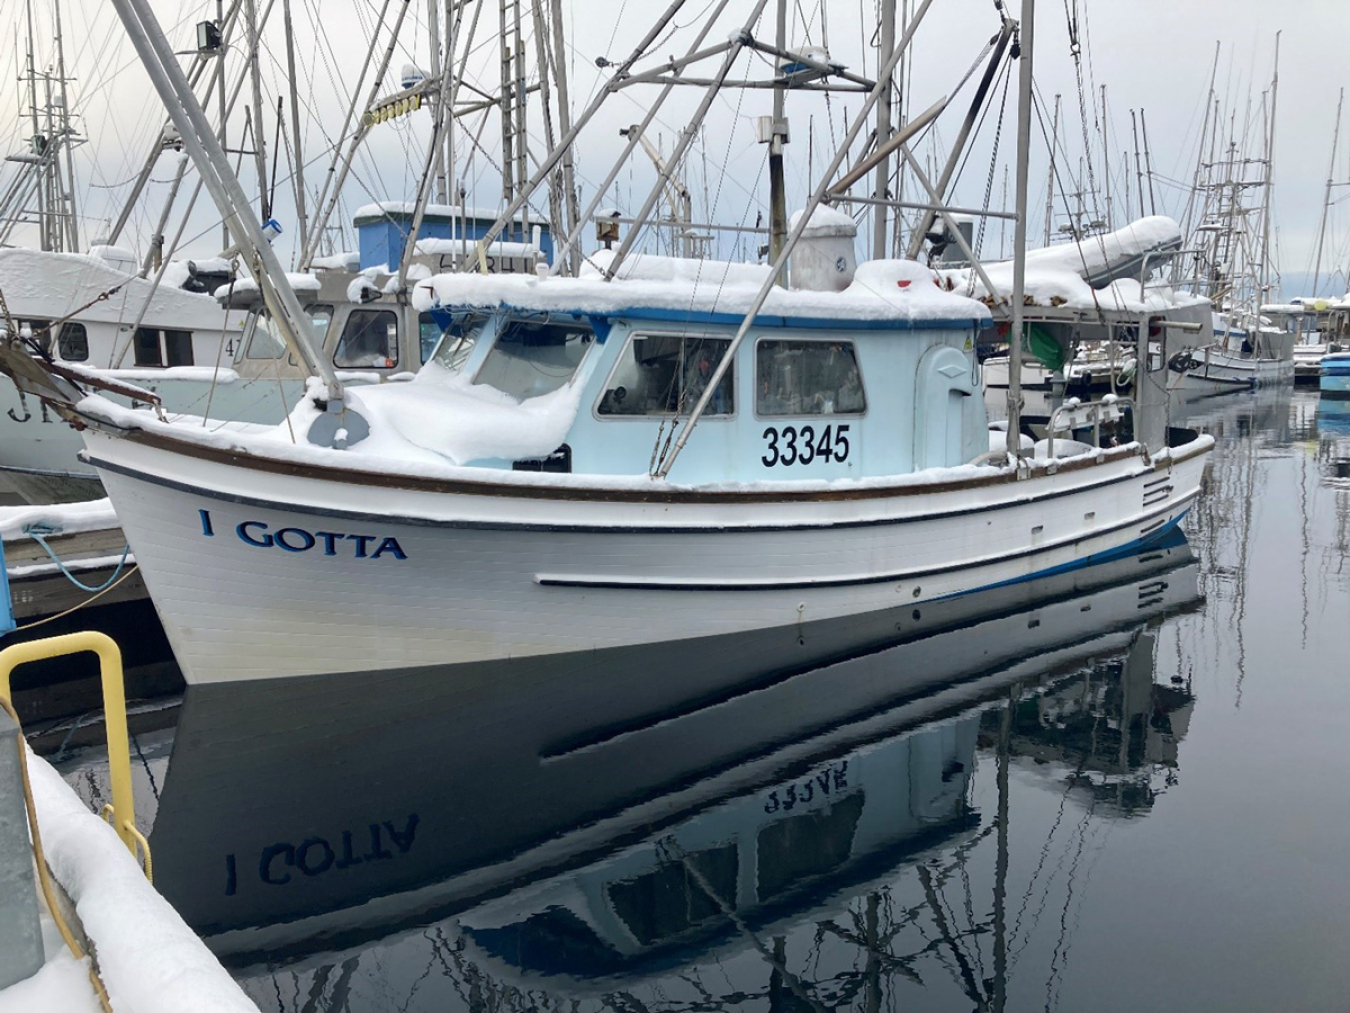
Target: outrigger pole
826	188
245	231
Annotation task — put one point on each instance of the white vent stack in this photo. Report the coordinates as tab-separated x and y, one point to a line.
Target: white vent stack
824	259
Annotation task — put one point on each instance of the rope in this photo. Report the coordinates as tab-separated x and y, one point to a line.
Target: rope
38	533
75	608
43	873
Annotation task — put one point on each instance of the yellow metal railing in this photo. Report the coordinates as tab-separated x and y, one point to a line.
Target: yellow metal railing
115	718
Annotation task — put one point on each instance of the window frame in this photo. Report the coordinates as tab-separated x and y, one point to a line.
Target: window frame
833	340
677	334
353	314
500	326
69	327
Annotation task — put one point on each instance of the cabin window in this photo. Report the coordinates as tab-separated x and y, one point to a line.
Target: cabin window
666	374
457	341
178	348
428	334
146	347
808	378
369	339
264	342
677	896
530	358
73	342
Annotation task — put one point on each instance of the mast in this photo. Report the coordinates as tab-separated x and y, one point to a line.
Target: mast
235	208
1270	179
255	86
1024	98
565	126
434	46
301	217
884	127
1326	200
777	136
67	135
1050	181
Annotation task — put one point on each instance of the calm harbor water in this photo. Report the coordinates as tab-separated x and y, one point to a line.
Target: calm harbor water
1117	789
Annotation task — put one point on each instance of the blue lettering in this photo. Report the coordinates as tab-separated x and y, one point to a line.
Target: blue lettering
347	859
269	855
293	539
405	839
306	539
302	856
376	851
389	545
206	523
242	531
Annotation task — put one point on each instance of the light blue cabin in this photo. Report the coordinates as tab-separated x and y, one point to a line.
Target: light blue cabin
807	397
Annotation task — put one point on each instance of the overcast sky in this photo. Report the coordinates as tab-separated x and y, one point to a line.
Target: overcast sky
1155	55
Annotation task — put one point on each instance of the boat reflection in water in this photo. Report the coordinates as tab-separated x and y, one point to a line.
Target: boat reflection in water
384	842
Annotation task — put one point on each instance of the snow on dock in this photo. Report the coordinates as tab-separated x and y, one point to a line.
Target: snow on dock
148	959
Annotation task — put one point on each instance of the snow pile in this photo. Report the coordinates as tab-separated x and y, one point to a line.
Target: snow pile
247	286
439	417
703	286
347	260
61	985
51	285
407	207
1059	275
439	246
65	518
825	219
149	960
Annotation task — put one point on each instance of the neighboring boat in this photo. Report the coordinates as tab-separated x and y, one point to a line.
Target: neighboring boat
656	450
108	321
1242	358
1334	375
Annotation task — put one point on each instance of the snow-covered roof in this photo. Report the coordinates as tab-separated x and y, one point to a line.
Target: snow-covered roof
886	290
1056	275
407	207
53	285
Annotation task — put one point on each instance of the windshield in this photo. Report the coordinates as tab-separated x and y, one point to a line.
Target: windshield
530	358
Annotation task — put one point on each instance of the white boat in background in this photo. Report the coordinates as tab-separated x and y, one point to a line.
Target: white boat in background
95	314
1241	358
655	450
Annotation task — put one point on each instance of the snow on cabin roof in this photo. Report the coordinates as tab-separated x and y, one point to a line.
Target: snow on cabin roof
406	207
888	290
49	286
1055	275
247	286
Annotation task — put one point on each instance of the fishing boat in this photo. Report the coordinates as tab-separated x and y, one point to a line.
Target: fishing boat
650	451
1334	375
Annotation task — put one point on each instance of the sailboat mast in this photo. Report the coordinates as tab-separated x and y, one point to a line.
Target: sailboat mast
1326	199
1270	178
1024	97
67	134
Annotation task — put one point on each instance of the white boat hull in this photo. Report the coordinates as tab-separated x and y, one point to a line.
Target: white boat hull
1217	371
307	574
